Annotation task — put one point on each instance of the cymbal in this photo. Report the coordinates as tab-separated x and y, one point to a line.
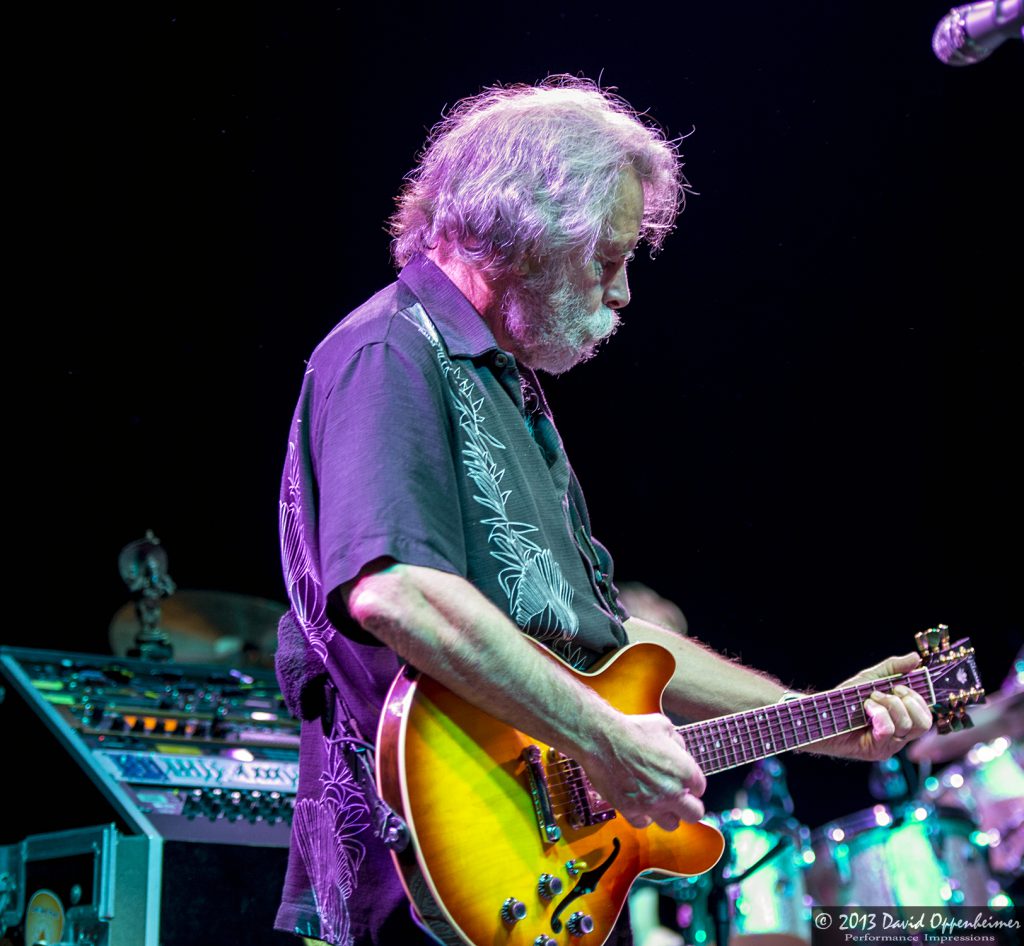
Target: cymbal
208	627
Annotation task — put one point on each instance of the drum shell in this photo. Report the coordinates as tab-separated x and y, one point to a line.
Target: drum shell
987	786
914	856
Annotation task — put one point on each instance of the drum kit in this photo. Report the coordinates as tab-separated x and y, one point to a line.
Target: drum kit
948	831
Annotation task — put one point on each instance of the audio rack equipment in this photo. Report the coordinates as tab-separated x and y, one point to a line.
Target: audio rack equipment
190	773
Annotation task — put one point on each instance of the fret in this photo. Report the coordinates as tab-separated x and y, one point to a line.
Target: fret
826	716
799	722
729	743
721	744
723	733
748	753
810	719
773	735
771	744
831	711
763	746
783	736
736	741
840	712
820	718
712	752
699	749
925	689
796	712
846	706
794	732
862	694
726	748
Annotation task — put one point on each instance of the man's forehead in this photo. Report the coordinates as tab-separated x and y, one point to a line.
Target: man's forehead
620	238
621	241
622	232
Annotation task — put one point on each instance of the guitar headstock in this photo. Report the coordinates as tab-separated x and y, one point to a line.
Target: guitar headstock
953	677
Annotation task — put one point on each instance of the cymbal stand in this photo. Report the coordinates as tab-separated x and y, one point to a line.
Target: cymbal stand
143	567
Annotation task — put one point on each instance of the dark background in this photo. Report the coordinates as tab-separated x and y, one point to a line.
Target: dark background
804	433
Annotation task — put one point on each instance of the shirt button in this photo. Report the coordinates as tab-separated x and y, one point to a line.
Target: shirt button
501	360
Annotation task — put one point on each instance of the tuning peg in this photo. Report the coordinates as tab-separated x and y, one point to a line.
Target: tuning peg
932	641
943	722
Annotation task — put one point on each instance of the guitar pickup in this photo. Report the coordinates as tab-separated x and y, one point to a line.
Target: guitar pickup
538	778
586	807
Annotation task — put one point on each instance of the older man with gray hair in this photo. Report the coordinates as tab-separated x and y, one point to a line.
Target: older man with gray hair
429	515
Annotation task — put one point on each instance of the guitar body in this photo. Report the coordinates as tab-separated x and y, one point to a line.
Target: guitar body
460	779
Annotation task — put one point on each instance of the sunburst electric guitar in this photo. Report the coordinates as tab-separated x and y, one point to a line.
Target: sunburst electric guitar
516	847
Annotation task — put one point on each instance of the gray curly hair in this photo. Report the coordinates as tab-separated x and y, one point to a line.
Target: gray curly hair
524	174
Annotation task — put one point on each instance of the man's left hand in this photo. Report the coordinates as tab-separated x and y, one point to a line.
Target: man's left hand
896	718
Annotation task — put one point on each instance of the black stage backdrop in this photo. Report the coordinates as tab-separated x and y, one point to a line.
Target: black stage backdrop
803	434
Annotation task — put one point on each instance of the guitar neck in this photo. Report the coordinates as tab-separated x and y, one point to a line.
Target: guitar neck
729	741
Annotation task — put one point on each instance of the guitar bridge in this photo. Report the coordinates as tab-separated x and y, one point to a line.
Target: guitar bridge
549	830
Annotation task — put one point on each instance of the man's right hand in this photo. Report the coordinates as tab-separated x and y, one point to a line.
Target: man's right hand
641	768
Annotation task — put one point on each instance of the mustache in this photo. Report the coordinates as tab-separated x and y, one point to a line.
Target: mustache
556	331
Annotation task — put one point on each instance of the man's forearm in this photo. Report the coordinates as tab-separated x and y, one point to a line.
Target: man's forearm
706	684
444	627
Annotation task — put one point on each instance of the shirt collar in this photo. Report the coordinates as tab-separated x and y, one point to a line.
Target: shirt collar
465	332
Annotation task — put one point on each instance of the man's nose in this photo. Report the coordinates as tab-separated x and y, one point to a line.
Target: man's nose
616	294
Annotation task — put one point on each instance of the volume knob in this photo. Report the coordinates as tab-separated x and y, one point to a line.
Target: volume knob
544	940
512	910
548	886
580	924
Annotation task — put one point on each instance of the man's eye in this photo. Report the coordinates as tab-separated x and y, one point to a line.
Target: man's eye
601	265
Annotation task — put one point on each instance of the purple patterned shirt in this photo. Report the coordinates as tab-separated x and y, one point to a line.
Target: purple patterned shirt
415	437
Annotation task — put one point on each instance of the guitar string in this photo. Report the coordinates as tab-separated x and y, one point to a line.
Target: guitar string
777	729
574	780
776	736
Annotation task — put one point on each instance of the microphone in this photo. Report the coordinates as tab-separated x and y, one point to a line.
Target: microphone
970	33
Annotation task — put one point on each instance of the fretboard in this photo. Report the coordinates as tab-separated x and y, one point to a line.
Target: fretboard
729	741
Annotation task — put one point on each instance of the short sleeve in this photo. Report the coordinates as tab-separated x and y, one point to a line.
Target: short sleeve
385	448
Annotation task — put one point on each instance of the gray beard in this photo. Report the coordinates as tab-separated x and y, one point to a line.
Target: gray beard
555	333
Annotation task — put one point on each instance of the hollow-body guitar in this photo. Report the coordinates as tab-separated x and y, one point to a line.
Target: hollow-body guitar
515	845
